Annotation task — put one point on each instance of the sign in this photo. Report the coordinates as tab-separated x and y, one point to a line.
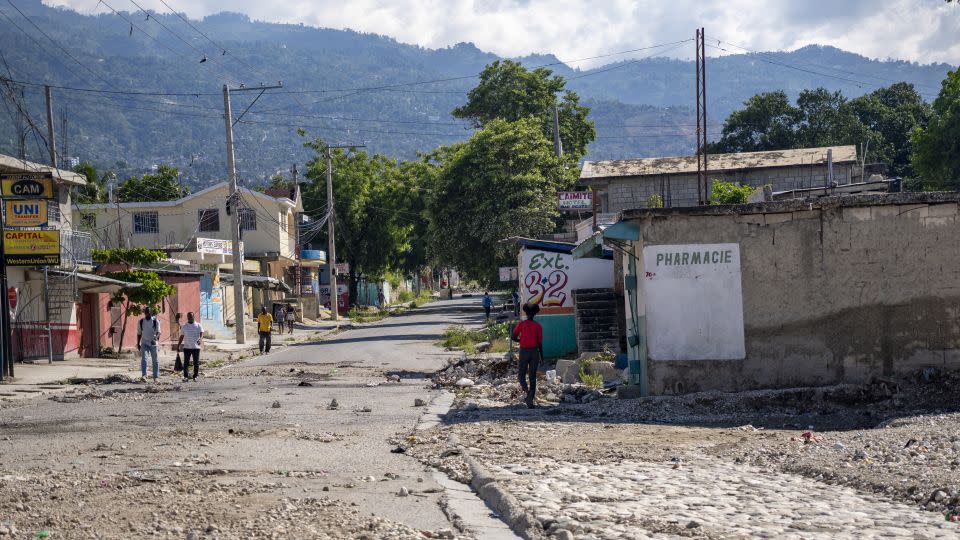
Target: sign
32	213
694	302
12	298
343	296
575	200
343	269
509	273
548	278
216	246
31	248
27	186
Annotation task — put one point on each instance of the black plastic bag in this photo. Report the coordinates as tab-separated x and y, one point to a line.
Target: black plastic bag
178	364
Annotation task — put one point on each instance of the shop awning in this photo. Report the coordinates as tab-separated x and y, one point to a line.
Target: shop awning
592	246
88	283
259	282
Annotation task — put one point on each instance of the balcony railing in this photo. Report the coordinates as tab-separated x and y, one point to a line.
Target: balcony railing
76	248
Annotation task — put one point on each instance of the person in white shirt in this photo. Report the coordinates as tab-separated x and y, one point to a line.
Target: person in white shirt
191	336
148	334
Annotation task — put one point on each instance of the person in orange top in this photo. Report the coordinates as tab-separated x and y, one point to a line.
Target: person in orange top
530	335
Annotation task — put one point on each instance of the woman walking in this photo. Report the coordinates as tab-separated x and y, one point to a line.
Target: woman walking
530	335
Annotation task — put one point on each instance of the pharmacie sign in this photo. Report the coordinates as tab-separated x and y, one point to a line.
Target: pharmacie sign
32	213
575	200
27	186
31	248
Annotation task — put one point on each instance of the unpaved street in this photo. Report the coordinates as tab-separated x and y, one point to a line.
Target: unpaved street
252	450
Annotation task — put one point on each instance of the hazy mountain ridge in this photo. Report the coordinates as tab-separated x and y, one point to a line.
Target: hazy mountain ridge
647	100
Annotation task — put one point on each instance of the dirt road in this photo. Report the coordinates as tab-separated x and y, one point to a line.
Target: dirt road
253	450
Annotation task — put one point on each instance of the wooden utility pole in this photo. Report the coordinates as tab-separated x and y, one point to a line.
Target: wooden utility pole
557	143
232	201
331	229
51	141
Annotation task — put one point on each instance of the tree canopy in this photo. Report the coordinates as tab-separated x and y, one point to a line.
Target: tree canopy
881	120
499	184
162	185
936	148
508	91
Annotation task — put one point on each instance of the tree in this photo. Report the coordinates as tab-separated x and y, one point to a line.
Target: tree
508	91
151	290
500	184
767	122
893	114
729	193
93	192
936	148
373	224
163	185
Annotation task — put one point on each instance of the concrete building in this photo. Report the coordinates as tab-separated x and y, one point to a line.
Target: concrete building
629	183
196	229
793	293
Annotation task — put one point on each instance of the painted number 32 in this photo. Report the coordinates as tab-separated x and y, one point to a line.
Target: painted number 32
547	290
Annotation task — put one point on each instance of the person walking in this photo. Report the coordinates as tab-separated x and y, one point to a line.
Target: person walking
487	304
264	328
516	302
291	316
148	334
191	334
530	335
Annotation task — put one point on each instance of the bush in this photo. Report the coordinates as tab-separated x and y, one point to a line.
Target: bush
405	297
655	201
729	193
591	380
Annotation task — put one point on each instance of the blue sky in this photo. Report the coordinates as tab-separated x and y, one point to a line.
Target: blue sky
918	30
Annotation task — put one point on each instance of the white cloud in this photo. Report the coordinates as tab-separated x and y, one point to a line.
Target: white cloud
918	30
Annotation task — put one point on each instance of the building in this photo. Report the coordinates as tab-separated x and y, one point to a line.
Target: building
629	183
196	229
53	311
803	292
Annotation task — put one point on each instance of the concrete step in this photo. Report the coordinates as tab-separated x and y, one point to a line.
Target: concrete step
598	345
579	292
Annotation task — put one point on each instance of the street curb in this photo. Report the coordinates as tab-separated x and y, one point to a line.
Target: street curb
508	508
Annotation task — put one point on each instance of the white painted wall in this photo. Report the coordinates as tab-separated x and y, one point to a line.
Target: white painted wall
694	308
550	278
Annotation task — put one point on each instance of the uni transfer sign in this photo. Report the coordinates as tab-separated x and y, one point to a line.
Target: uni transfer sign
25	213
694	302
31	248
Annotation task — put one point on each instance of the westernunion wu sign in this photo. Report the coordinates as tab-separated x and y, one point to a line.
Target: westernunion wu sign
31	248
26	213
27	186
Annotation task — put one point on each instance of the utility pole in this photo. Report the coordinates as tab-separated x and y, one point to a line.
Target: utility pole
51	142
331	239
557	144
238	303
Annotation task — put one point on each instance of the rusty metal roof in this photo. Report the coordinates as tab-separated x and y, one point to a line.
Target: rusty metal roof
716	162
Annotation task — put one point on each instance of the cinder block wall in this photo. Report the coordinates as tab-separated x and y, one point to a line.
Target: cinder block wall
842	292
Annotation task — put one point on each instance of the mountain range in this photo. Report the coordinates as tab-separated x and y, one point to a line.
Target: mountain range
108	70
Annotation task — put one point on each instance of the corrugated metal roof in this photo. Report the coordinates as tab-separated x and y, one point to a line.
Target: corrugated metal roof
716	162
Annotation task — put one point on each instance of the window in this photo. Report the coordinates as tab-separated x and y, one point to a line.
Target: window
248	219
209	220
146	223
88	220
53	212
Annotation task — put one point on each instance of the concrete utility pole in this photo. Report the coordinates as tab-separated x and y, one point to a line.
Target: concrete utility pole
238	303
51	142
557	143
331	239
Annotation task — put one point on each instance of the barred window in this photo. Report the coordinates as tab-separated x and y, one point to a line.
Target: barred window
146	223
209	220
248	219
53	212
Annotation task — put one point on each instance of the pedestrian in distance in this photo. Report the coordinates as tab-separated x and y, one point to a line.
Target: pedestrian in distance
291	316
191	335
265	329
530	335
148	335
279	316
487	304
381	299
516	303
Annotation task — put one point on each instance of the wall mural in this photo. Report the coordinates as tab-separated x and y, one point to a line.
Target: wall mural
545	279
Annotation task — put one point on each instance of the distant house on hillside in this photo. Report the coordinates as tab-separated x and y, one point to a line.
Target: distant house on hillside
628	183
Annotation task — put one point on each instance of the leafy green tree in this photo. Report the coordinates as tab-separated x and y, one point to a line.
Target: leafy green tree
163	185
94	191
729	193
936	148
767	122
499	184
151	290
509	91
892	114
373	224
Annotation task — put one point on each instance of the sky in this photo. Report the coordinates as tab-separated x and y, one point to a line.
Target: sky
922	31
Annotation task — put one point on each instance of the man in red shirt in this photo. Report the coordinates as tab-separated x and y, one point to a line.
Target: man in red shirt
530	335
